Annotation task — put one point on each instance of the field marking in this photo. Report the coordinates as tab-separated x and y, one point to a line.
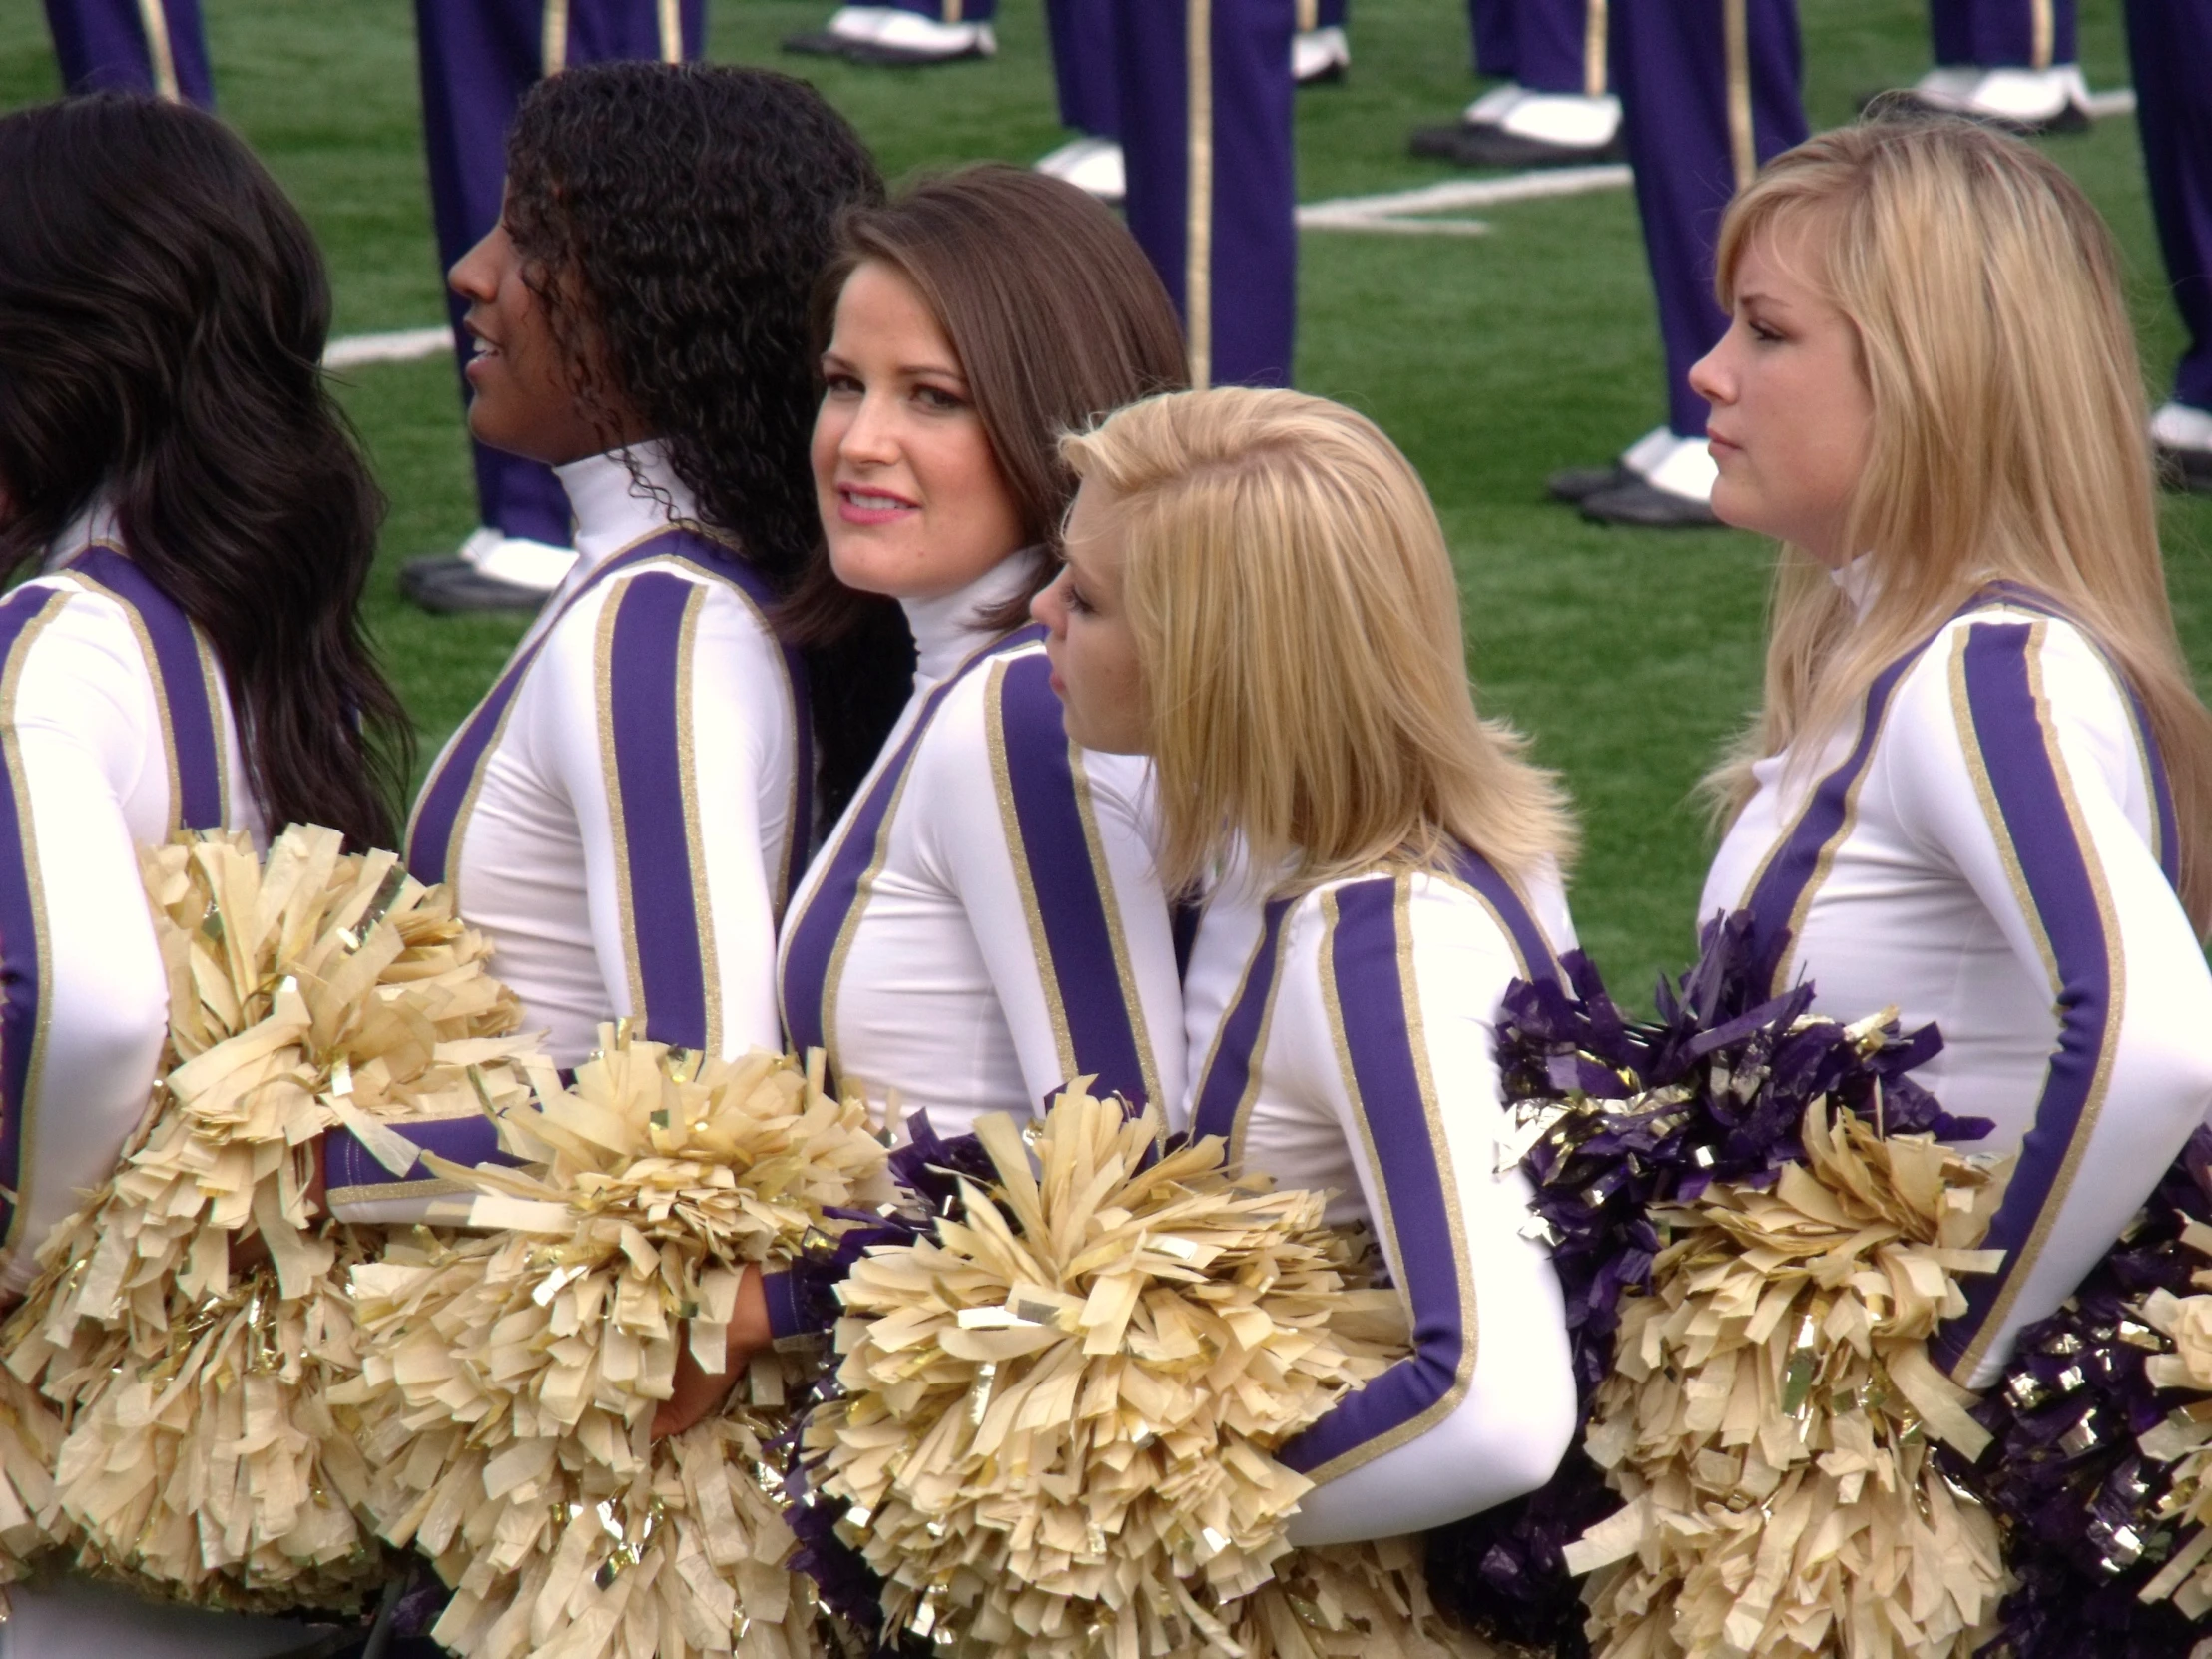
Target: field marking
402	345
1395	212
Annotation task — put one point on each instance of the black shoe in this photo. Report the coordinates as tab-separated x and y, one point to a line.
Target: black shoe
1904	102
2188	470
445	587
906	57
1639	503
1579	483
1485	144
820	42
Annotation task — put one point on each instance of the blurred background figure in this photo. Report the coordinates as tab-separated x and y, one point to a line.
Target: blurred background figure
2171	44
1709	91
155	47
1554	104
2008	62
916	32
478	57
1088	91
1212	197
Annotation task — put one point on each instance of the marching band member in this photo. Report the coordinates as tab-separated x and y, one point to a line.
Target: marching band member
1556	106
477	59
1981	788
984	923
187	655
155	47
2170	45
904	32
1709	90
1257	595
2009	62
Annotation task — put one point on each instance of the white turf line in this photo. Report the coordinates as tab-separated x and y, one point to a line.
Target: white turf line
1391	213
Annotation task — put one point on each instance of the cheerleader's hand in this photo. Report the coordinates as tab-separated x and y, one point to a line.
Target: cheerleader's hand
698	1396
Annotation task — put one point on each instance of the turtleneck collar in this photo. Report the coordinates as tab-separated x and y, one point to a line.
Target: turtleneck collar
611	508
1858	582
947	628
96	523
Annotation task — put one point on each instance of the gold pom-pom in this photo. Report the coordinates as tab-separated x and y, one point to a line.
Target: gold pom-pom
1057	1412
1351	1601
508	1384
2184	1439
306	990
1771	1412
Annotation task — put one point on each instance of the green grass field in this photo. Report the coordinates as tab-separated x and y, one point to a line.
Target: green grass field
1492	360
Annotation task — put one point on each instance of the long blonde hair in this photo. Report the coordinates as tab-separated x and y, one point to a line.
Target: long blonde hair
1298	629
2007	441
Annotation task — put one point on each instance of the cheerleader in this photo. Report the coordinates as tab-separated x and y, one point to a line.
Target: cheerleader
984	923
187	653
1258	595
1981	788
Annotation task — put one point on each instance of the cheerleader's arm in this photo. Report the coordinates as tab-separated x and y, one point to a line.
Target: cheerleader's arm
2017	764
84	1000
1047	849
1398	1006
672	729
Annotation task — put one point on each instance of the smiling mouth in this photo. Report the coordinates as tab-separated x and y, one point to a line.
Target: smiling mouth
873	501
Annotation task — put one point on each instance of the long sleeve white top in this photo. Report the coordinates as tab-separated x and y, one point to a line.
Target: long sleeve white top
622	814
986	923
115	729
1348	1037
1989	845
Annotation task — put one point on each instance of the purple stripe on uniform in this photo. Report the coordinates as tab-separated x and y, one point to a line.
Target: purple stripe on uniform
644	663
2164	823
191	719
1071	907
1372	997
802	984
779	1289
1520	925
1791	871
22	952
430	850
1229	1074
467	1140
2018	755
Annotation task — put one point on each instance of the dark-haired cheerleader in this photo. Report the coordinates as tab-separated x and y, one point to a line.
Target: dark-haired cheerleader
626	810
189	655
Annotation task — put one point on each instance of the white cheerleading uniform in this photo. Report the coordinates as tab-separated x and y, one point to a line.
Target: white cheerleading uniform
1989	845
623	814
986	923
116	730
1349	1040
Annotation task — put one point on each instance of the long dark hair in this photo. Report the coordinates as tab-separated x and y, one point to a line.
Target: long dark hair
162	314
1055	315
673	219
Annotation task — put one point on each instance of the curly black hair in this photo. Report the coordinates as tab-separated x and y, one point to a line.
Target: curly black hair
673	219
163	314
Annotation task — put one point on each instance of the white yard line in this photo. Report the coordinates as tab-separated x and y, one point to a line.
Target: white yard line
404	346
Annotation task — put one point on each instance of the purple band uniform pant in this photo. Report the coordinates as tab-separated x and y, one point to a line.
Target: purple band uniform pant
1710	90
2170	42
478	58
155	47
945	11
2003	34
1082	35
1206	142
1544	45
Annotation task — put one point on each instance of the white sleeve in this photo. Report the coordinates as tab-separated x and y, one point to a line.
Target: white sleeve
668	726
1390	995
84	1001
1048	848
2012	756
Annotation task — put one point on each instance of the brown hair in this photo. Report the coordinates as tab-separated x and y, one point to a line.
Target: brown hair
1055	315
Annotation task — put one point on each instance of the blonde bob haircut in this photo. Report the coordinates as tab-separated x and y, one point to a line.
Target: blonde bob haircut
2008	430
1298	636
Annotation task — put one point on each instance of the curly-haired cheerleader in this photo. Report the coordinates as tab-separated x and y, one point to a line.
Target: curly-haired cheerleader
189	655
